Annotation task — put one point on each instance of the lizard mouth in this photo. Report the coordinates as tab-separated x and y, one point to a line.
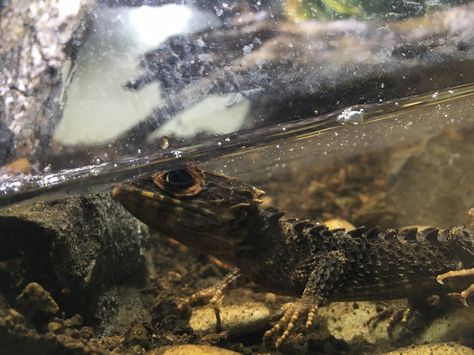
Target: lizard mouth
127	192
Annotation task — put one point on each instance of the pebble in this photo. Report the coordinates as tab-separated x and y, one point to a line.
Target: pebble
191	349
35	299
335	223
348	323
433	349
236	319
452	326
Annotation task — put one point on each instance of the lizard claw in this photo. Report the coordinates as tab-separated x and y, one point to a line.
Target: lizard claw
461	297
291	313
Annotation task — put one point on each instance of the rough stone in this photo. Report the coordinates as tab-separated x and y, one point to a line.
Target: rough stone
79	248
236	319
430	349
453	326
34	300
191	349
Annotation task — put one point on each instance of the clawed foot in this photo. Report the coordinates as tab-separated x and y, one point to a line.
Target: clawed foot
291	313
400	316
462	296
212	295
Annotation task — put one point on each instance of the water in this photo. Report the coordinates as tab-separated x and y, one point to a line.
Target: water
262	153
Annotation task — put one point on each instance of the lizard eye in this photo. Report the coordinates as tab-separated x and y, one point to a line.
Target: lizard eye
186	181
178	179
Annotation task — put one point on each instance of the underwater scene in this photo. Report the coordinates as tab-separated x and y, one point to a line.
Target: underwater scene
236	177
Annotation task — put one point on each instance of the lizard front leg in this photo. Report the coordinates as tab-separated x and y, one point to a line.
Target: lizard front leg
320	283
215	294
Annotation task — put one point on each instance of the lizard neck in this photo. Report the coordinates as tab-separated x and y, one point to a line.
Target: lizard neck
264	235
266	260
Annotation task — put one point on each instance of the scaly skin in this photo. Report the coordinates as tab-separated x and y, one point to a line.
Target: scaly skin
221	216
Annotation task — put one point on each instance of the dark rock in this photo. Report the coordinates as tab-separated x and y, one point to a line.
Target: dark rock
139	333
78	248
36	303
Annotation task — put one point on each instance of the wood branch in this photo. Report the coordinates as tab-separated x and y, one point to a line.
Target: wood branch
37	38
296	69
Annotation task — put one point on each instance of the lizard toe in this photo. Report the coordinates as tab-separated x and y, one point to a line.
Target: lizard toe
210	295
291	313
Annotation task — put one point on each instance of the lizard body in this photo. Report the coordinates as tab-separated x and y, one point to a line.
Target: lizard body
222	217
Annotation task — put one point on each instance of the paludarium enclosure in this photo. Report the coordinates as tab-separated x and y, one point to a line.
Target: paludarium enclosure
236	177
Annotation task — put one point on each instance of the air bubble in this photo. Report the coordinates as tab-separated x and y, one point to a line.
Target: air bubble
177	153
247	49
350	116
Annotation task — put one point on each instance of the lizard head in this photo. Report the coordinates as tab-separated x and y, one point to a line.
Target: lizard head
209	212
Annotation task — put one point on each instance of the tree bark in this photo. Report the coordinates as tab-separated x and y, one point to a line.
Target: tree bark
37	40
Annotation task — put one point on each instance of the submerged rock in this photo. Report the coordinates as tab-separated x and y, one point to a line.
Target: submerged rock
34	301
430	349
78	248
236	319
191	349
455	325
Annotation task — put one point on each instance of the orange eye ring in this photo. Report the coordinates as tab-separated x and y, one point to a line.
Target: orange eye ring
187	181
